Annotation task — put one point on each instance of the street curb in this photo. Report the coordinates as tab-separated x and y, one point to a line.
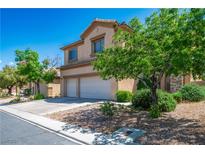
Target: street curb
50	129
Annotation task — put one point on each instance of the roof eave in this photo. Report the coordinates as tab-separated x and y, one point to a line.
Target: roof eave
72	44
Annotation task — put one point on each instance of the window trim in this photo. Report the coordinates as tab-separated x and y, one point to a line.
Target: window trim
71	60
93	40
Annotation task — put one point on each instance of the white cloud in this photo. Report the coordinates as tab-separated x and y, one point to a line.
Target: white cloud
0	61
11	63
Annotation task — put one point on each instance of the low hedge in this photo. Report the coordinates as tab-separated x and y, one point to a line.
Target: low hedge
142	99
192	92
203	90
123	96
166	101
177	96
38	96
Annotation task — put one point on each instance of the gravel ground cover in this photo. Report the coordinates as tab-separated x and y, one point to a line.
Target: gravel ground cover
185	125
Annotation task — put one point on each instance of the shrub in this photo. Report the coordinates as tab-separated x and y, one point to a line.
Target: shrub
108	109
27	92
192	92
38	96
142	98
165	101
124	96
177	96
16	100
155	111
140	84
203	90
4	94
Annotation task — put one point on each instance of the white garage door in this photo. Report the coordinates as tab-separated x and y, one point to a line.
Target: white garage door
72	87
94	87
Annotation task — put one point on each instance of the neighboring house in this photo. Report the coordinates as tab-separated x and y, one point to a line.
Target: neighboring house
173	83
78	79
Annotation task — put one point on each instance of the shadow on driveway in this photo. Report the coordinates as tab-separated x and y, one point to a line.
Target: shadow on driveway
70	100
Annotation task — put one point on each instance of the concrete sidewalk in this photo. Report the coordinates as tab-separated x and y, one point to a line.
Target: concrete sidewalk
50	124
6	100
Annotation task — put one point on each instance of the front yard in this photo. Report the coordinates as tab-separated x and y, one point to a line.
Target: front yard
185	125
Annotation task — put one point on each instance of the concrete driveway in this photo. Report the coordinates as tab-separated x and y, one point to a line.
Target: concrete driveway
51	105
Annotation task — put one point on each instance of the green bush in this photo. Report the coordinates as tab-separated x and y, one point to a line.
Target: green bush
203	90
108	109
165	101
124	96
142	99
177	96
192	92
38	96
4	94
16	100
141	85
155	111
27	92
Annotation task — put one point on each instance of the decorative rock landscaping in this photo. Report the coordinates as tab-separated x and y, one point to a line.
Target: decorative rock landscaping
124	136
185	125
127	136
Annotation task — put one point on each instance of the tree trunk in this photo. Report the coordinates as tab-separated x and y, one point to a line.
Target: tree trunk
154	90
38	86
16	90
9	90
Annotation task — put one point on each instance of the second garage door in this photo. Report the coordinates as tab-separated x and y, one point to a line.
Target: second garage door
94	87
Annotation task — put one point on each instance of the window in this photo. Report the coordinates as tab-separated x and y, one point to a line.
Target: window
73	54
98	45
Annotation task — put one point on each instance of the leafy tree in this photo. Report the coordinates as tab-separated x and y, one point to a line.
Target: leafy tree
29	65
171	41
7	78
49	75
21	80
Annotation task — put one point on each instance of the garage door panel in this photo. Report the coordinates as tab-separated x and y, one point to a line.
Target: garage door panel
94	87
72	87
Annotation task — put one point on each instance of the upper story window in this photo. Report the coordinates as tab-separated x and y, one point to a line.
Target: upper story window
72	54
98	45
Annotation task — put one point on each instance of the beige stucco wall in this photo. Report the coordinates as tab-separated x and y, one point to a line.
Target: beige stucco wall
44	89
77	71
127	84
84	50
55	89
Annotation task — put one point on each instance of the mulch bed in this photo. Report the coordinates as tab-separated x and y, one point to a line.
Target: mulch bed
185	125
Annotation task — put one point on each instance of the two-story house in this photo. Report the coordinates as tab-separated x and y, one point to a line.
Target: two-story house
77	74
78	77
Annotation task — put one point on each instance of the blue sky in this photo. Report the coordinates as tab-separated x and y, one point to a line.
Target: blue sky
46	30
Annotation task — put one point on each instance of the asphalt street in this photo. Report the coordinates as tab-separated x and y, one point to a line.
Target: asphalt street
14	131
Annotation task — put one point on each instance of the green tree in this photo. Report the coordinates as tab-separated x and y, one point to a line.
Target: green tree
49	75
7	78
29	65
21	80
171	41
